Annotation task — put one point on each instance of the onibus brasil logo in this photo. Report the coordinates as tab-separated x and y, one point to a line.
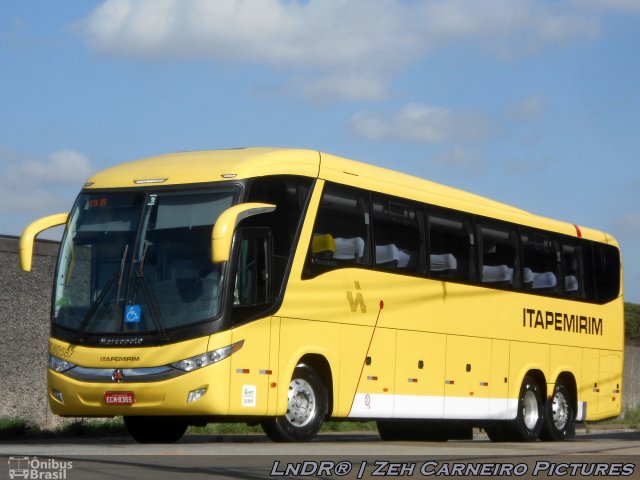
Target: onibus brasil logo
33	468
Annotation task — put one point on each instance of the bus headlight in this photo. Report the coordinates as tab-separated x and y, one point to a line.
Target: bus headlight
59	365
199	361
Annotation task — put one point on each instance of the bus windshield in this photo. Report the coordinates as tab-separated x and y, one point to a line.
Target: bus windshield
139	262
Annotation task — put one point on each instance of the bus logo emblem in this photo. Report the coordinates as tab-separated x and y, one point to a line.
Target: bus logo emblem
118	375
358	302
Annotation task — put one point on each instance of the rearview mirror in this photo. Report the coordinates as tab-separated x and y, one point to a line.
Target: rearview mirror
30	233
227	222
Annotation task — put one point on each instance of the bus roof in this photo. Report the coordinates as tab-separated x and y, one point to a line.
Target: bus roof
220	165
208	166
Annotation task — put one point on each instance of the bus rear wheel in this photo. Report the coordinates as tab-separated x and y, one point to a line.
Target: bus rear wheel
529	419
527	425
306	409
559	417
156	429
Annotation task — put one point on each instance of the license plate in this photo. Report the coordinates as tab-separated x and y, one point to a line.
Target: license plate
119	398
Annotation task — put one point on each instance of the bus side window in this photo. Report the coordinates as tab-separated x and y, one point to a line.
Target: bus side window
451	246
253	281
341	231
540	264
253	289
498	259
290	195
397	235
573	263
607	272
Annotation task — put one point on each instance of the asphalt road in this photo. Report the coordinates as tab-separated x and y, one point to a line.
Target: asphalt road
329	456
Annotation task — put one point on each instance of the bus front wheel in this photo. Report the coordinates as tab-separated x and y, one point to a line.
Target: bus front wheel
306	409
156	429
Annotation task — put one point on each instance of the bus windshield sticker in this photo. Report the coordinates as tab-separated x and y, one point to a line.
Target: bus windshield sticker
132	314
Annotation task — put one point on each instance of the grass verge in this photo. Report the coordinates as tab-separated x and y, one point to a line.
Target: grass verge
629	417
243	429
17	428
12	428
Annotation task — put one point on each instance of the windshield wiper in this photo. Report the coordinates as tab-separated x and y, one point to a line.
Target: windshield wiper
91	312
120	275
152	301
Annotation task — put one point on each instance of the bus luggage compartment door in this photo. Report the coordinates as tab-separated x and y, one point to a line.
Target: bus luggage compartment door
467	377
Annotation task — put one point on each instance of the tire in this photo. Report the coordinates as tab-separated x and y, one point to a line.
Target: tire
156	429
530	416
306	409
559	417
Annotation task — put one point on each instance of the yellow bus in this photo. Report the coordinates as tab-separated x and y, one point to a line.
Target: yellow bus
284	287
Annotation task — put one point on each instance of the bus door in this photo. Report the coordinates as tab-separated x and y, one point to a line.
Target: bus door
251	366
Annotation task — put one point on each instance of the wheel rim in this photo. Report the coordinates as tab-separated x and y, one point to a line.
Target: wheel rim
560	409
302	403
530	412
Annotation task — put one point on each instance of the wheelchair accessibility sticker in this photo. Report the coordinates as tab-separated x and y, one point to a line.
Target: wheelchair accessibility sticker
132	314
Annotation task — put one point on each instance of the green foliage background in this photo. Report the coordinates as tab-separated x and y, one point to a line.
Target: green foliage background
632	321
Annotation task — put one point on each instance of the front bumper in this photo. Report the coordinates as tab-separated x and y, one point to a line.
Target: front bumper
164	397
